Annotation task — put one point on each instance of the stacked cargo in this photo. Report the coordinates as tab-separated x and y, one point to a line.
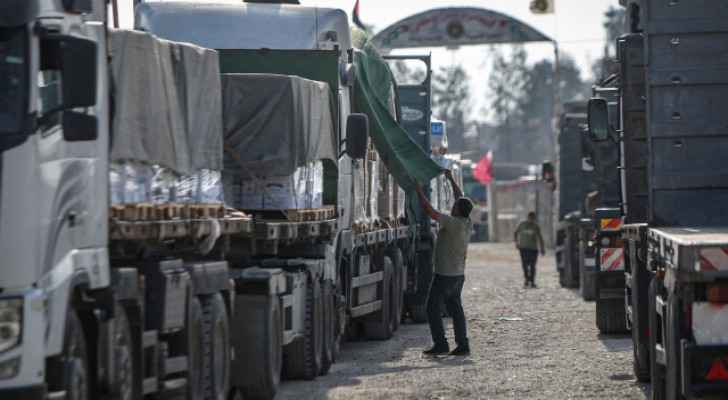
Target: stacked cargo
274	146
157	83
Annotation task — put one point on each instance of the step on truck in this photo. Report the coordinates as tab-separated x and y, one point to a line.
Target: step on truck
682	244
128	273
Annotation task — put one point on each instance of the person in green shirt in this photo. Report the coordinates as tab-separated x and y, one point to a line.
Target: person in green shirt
447	284
528	241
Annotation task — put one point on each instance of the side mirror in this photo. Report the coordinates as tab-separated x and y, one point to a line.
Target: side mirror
598	119
76	59
357	132
79	127
78	72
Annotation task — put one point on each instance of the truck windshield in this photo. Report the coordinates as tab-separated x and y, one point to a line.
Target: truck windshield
14	77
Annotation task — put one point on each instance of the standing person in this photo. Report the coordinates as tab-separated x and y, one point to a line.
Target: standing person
447	283
528	241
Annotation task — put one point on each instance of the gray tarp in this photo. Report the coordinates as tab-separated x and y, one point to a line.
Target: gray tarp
167	104
276	123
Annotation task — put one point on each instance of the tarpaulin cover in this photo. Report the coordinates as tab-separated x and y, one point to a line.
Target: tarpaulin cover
167	107
404	159
276	123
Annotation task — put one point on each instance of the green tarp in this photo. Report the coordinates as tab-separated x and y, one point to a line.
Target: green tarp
404	159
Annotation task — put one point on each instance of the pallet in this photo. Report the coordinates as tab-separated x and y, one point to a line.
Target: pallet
166	212
295	215
133	212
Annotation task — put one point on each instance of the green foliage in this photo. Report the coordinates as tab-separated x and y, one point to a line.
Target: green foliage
451	103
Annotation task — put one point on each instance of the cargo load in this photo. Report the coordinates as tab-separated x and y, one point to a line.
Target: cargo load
161	152
275	144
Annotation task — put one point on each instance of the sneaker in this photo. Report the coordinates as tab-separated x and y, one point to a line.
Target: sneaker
461	351
437	350
525	285
533	285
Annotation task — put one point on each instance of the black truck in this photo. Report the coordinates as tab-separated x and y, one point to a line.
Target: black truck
673	137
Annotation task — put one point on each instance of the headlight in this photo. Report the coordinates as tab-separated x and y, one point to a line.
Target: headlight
11	322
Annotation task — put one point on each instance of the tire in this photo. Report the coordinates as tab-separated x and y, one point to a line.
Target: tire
193	343
258	341
69	372
587	284
303	357
125	382
400	283
216	348
611	316
657	371
329	328
379	325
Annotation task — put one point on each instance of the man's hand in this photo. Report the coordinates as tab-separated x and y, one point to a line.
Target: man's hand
455	188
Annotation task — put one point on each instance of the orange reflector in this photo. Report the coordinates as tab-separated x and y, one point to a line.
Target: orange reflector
717	372
611	223
717	293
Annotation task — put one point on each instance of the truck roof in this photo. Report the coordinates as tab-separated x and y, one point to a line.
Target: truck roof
238	25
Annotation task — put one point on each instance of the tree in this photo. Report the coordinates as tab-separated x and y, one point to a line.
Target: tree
615	26
522	104
451	103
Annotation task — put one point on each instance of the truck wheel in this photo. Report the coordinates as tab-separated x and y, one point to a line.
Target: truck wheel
258	341
380	326
611	317
193	344
587	285
125	381
303	356
216	348
400	282
69	372
329	328
657	371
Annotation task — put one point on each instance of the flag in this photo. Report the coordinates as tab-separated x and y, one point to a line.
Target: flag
483	171
355	15
543	6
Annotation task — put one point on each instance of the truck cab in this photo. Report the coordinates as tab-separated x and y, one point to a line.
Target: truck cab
54	124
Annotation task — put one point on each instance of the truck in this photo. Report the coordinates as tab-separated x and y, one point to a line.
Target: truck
607	221
574	183
677	275
193	299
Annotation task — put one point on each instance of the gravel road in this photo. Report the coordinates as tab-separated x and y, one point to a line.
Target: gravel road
527	344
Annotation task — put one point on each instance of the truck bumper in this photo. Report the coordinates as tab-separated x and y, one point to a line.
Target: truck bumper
37	392
701	367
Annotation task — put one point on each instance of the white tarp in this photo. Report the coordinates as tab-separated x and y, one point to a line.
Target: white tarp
166	103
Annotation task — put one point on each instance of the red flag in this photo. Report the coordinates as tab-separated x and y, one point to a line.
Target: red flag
357	20
483	171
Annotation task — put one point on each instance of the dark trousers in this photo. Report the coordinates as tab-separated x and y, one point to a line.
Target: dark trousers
448	290
528	259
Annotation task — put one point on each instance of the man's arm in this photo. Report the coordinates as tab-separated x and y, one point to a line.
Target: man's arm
426	205
455	188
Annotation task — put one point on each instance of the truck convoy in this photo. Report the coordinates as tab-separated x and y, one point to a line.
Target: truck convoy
196	213
672	134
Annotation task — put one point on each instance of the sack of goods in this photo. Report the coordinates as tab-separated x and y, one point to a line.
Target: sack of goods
277	130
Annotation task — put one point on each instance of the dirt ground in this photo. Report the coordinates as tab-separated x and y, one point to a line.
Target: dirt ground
526	344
